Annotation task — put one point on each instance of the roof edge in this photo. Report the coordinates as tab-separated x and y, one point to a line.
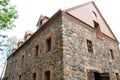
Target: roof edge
89	26
34	34
69	9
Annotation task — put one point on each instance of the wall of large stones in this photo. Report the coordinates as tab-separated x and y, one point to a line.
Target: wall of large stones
77	60
51	60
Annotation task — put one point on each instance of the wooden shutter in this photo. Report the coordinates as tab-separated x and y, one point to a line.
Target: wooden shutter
91	76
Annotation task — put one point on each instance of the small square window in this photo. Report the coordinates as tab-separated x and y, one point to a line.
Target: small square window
6	78
89	46
34	76
47	75
96	25
48	42
36	50
111	52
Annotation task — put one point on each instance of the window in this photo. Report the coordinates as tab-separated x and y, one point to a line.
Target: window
34	76
47	75
89	46
19	77
15	62
111	53
96	25
6	78
48	44
22	60
12	77
94	14
98	76
36	50
117	76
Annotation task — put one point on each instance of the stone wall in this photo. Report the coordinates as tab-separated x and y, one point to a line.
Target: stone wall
68	58
23	63
76	58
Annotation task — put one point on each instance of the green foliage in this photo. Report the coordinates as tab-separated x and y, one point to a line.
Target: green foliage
8	14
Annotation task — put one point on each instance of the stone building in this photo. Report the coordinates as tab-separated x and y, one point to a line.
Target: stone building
74	44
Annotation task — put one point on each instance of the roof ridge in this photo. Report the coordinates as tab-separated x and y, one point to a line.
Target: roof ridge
72	8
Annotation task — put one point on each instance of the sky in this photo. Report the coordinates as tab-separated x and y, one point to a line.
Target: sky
29	12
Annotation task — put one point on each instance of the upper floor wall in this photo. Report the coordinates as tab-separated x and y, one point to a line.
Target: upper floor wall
89	14
39	54
84	50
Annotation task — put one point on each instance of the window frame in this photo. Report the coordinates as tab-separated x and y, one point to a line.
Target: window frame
48	44
111	53
117	76
34	76
47	68
36	53
89	46
46	75
22	61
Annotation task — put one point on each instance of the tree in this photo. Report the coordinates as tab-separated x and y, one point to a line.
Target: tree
8	14
6	51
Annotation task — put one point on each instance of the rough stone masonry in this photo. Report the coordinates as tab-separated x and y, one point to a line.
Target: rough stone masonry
66	48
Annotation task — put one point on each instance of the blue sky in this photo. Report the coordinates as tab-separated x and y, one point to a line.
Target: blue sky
30	10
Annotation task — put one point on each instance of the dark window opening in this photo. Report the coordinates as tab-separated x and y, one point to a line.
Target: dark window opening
12	77
98	76
19	77
117	76
96	25
34	76
36	50
111	52
6	78
47	75
22	59
49	44
89	46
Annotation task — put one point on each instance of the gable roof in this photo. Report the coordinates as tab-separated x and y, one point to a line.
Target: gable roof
89	13
42	20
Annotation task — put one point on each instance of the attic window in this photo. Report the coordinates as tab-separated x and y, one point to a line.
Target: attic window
94	14
96	25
